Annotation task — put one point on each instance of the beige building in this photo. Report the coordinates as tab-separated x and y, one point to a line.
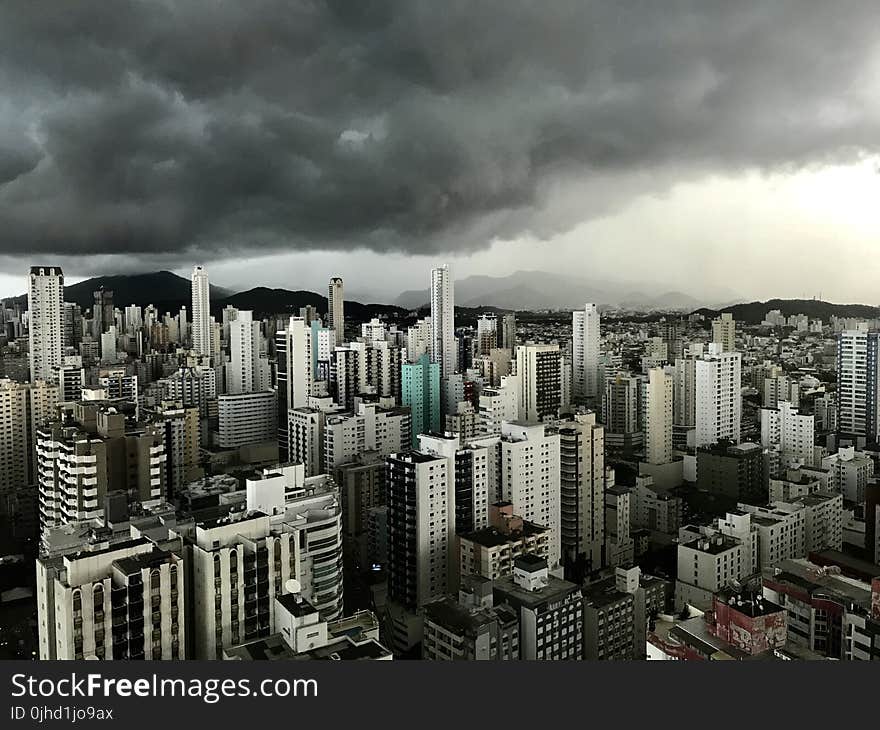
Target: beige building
491	552
112	602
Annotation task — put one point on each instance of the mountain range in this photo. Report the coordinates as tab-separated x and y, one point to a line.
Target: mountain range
536	290
168	292
755	312
523	291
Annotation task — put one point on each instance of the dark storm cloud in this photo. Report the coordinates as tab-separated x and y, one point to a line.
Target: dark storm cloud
219	127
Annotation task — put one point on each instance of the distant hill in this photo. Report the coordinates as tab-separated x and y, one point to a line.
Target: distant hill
162	288
264	301
755	312
168	292
537	290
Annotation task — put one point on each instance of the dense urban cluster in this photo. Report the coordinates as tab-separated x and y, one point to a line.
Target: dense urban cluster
226	484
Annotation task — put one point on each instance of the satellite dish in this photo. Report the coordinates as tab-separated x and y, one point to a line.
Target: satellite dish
293	586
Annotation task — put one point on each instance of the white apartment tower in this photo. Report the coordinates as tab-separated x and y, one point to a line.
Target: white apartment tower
201	312
718	403
336	308
585	352
443	348
45	315
294	376
658	417
791	434
530	468
853	386
247	370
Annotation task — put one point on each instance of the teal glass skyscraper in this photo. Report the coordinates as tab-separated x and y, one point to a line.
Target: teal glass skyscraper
420	390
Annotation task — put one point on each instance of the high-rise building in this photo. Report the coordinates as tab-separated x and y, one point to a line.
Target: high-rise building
585	352
508	331
468	468
780	388
443	350
336	308
201	312
125	601
248	369
294	374
192	386
582	484
657	402
789	433
102	311
181	428
360	368
246	418
857	383
538	374
45	325
622	412
418	339
24	409
530	468
101	451
421	522
291	529
369	428
724	332
420	391
70	378
487	333
718	403
499	404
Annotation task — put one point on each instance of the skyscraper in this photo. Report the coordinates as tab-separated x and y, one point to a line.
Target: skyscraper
421	522
336	309
294	374
420	390
540	395
582	486
530	467
443	320
718	403
585	352
724	332
201	312
102	311
247	371
857	390
45	312
657	419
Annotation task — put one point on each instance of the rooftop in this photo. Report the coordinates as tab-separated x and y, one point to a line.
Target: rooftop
713	545
555	590
492	537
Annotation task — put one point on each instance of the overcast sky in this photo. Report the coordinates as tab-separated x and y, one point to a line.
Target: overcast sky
708	145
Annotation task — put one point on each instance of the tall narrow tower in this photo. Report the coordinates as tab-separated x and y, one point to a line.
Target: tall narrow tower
201	311
585	351
45	325
443	349
336	309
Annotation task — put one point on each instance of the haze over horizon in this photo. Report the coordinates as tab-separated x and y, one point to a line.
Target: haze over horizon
708	147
